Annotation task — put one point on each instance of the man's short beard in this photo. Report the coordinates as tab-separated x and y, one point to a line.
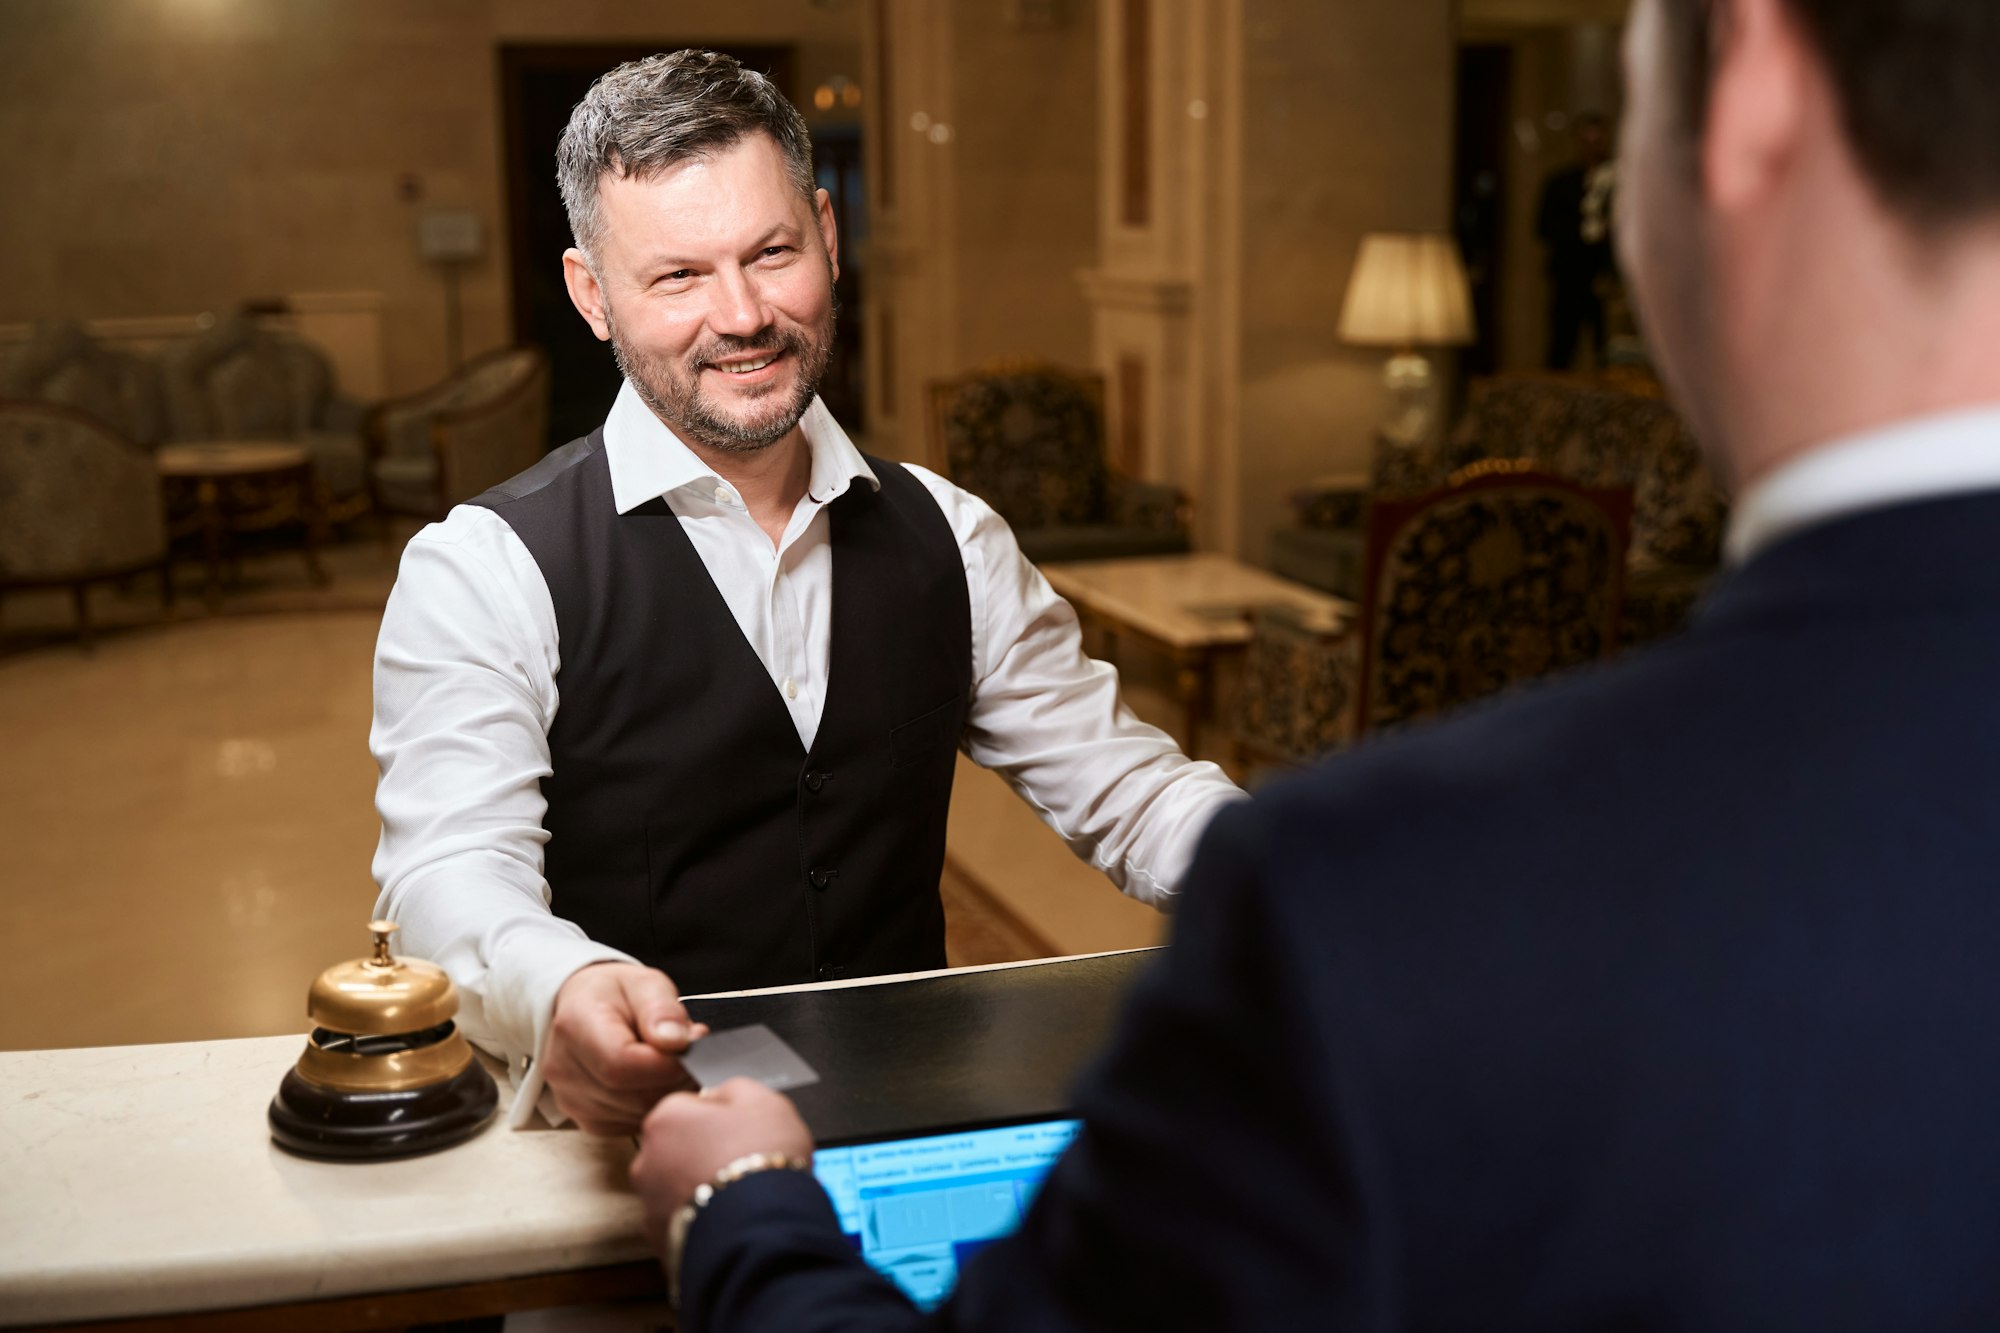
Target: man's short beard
674	392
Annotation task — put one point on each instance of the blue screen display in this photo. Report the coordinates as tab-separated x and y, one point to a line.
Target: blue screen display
919	1208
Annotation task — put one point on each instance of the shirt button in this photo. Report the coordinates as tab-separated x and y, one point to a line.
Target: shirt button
722	495
791	689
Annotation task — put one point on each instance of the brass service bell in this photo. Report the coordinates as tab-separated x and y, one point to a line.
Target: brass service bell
386	1072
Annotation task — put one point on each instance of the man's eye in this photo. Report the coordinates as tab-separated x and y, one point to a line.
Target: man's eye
773	251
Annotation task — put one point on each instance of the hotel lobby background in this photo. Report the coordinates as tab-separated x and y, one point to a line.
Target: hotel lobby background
1168	191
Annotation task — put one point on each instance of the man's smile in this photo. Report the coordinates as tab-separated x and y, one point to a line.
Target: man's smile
746	367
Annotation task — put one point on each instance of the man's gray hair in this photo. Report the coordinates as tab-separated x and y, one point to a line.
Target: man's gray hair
650	114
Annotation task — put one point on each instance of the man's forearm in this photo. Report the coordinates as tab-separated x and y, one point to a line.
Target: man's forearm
476	916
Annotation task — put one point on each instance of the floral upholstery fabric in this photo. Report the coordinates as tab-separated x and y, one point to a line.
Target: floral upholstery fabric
1297	698
448	443
1488	586
1147	506
1483	585
77	501
1598	436
1030	445
235	381
61	364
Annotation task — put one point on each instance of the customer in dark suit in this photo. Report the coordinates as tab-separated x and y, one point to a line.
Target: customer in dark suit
1664	997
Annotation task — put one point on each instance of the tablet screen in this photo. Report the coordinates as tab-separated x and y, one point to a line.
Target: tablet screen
918	1208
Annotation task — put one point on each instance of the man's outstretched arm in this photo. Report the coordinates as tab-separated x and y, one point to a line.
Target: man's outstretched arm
1213	1186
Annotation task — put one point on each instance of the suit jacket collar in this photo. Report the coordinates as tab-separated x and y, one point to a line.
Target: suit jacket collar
1934	554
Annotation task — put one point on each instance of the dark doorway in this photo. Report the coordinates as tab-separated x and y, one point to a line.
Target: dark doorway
1479	193
539	87
837	163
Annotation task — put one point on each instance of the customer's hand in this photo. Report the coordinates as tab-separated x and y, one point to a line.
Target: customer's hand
613	1045
689	1138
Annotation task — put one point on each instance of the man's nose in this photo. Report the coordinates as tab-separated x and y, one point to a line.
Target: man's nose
739	307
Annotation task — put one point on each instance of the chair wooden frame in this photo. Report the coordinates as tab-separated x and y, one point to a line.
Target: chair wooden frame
375	437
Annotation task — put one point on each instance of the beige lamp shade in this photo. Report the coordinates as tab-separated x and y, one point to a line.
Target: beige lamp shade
1408	290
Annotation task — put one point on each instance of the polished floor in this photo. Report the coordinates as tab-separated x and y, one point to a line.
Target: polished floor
187	812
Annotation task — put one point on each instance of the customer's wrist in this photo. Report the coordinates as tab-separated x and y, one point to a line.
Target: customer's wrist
749	1164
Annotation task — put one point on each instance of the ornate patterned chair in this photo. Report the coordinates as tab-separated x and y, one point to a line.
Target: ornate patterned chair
1502	576
1029	440
235	381
61	364
78	504
1595	433
446	444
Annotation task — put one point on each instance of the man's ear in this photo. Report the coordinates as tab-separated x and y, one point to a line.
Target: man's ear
584	292
1757	102
829	236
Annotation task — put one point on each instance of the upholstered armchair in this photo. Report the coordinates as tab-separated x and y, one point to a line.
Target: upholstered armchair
1502	576
236	381
78	504
61	364
458	438
1605	436
1596	434
1029	440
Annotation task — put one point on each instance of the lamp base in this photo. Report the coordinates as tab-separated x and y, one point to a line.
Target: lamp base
1413	386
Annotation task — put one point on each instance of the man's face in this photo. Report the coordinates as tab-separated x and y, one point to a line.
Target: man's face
716	281
1661	219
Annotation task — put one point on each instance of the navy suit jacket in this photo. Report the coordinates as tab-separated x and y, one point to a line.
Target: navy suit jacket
1664	996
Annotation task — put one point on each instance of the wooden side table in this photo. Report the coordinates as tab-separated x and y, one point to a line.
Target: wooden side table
1192	608
222	488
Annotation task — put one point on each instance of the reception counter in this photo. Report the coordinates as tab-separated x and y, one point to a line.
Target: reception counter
140	1182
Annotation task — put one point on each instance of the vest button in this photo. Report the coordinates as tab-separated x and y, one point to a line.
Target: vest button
815	780
820	878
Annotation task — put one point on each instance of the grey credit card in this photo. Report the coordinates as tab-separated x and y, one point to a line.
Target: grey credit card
753	1052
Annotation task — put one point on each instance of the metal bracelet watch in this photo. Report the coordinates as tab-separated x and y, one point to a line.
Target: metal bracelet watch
677	1230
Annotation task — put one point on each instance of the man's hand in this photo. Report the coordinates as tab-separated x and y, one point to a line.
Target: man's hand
689	1138
613	1043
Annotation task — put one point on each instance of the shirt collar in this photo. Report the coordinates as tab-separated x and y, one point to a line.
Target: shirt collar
1923	459
648	461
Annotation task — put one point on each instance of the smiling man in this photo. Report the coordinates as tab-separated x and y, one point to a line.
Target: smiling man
678	708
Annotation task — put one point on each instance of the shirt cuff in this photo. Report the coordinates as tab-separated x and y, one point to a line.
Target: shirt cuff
557	959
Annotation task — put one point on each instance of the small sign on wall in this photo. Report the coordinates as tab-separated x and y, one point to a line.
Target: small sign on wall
449	235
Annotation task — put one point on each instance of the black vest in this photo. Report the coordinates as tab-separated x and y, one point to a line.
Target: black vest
687	825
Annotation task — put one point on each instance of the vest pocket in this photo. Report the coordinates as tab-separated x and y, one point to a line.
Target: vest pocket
925	734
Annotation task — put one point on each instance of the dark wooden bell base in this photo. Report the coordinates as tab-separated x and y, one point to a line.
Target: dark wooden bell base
314	1121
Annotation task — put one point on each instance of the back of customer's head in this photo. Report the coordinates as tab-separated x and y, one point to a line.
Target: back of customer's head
1917	91
1800	172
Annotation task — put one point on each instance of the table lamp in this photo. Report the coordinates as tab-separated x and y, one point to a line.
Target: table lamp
1408	290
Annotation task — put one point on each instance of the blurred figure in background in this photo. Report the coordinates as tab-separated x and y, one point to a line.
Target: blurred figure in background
1574	224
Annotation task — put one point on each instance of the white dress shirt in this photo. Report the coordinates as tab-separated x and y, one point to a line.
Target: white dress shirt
1926	458
466	687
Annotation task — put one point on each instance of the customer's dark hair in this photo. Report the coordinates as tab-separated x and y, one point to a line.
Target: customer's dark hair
1919	89
650	114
